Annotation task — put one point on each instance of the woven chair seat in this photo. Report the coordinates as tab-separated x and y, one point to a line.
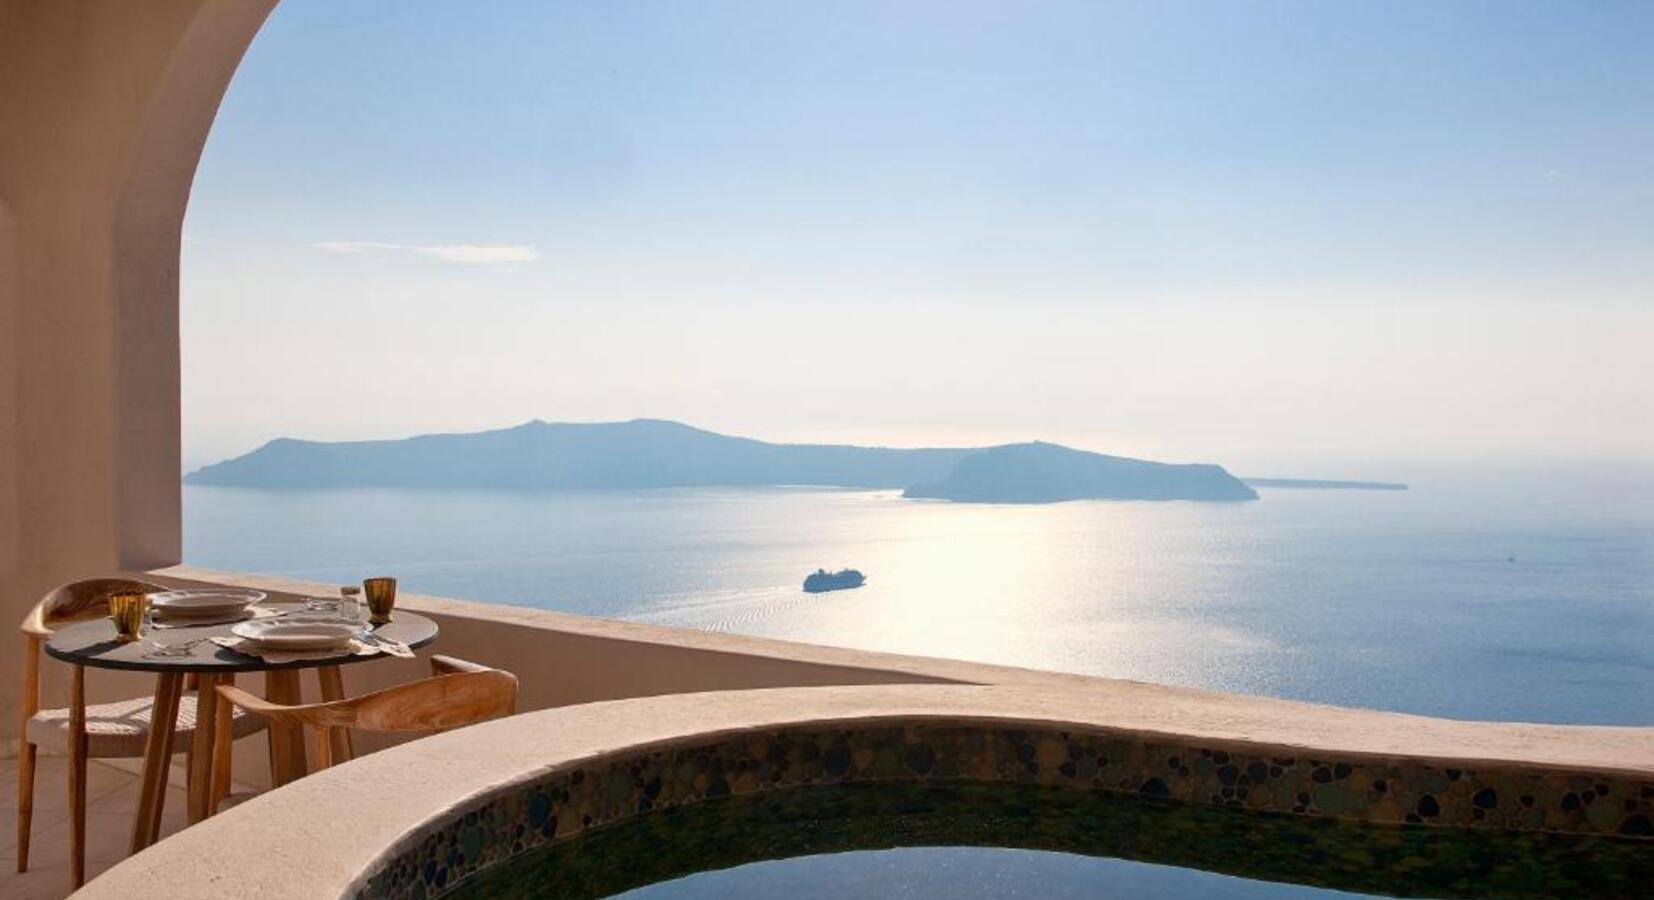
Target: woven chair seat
121	728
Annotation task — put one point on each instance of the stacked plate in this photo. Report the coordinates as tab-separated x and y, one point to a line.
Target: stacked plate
203	606
266	635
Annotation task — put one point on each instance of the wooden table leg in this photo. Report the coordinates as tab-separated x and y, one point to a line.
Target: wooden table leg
286	741
77	778
152	794
201	754
333	688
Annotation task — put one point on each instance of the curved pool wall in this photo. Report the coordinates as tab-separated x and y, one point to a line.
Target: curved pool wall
1105	834
419	819
609	789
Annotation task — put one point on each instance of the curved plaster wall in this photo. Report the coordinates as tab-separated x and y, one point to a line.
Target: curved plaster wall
418	819
11	522
104	108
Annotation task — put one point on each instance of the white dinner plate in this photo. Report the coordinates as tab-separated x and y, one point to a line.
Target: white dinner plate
296	635
212	603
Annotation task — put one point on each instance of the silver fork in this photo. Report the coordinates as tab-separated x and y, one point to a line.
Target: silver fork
372	638
174	651
383	642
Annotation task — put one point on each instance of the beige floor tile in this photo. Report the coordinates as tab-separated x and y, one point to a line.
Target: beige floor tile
48	846
112	800
51	786
43	882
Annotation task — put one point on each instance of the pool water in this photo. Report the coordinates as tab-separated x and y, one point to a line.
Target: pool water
965	873
961	841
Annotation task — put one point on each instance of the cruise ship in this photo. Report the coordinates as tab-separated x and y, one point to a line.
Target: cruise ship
822	580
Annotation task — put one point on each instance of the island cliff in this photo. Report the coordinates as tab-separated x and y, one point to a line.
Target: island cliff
642	453
646	453
1047	473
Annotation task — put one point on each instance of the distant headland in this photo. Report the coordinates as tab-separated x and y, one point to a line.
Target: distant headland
1322	484
1047	473
652	453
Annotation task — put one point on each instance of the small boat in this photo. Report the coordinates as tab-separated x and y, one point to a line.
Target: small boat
822	580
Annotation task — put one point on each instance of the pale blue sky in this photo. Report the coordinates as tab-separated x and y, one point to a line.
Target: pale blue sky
1288	237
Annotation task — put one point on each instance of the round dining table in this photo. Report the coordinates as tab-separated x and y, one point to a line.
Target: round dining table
177	653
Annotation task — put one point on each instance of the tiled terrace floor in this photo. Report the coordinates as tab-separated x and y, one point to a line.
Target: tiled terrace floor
112	797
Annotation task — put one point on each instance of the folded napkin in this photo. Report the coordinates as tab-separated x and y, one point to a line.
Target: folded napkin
357	647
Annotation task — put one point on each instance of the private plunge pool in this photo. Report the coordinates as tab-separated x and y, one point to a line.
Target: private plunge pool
951	842
944	791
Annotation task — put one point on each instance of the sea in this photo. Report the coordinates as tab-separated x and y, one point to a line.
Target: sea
1511	595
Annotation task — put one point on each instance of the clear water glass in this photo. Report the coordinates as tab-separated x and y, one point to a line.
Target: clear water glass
350	604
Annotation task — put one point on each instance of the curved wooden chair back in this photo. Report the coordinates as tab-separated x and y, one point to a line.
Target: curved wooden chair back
78	601
459	693
72	602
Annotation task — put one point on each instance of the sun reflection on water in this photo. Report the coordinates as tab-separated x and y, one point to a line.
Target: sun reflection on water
1463	604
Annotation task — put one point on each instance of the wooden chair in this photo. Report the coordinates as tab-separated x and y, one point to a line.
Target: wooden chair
112	730
459	693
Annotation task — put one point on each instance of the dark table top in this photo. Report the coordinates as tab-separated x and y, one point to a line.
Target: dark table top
92	643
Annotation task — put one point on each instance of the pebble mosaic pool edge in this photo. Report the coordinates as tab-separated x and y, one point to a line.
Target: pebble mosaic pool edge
604	790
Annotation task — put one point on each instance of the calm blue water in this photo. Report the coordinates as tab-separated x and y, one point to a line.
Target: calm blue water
1519	596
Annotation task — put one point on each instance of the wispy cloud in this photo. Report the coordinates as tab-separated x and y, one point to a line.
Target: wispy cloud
480	253
477	254
355	246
